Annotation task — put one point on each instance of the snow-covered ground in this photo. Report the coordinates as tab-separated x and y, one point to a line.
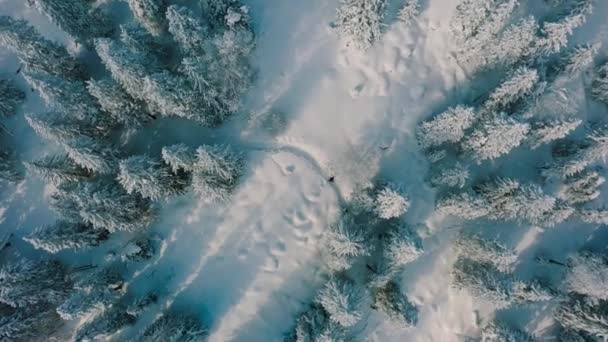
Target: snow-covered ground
248	268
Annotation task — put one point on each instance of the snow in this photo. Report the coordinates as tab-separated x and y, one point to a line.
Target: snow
247	268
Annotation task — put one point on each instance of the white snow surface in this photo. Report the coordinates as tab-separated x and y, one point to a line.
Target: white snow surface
247	269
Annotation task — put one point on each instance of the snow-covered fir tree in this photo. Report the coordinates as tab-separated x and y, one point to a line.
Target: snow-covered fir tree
410	11
104	325
517	86
391	202
495	138
453	176
65	235
150	13
447	127
10	97
359	22
93	155
26	283
581	188
515	44
555	35
57	169
599	87
595	216
121	106
579	314
149	177
315	325
172	326
343	300
581	58
136	38
390	300
475	247
587	275
544	132
499	332
344	242
95	292
78	18
36	52
466	205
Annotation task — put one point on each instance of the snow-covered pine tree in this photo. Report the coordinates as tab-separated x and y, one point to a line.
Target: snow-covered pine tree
105	205
180	157
544	132
70	97
572	158
9	168
581	188
498	332
104	325
150	13
517	86
172	326
141	304
82	142
409	12
595	216
579	314
390	300
36	52
447	127
65	235
78	18
121	106
95	292
344	242
136	38
581	58
343	300
452	176
509	200
359	22
188	31
149	177
587	275
32	323
400	245
483	281
10	97
466	205
494	138
391	202
57	169
555	35
216	172
515	44
26	283
478	24
475	247
315	325
530	292
599	88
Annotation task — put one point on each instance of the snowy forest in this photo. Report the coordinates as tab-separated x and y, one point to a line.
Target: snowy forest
303	171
